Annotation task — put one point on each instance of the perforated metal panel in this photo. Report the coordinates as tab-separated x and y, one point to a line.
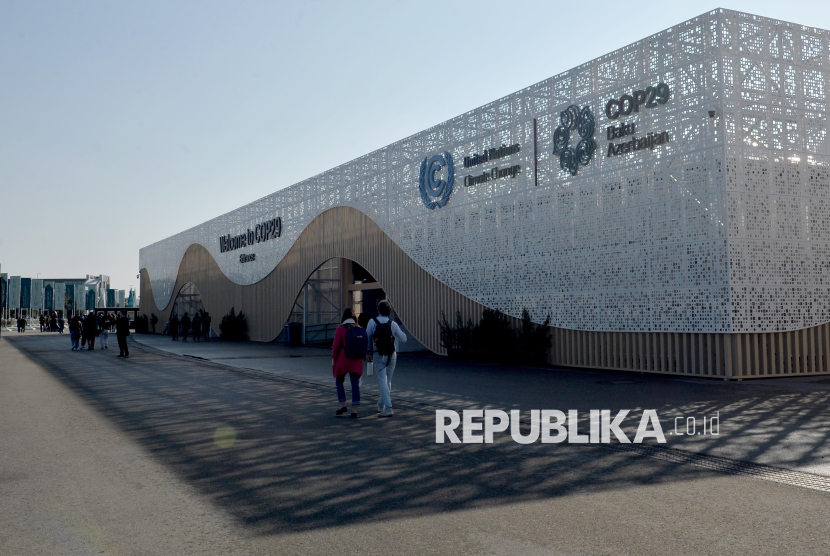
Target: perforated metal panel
722	229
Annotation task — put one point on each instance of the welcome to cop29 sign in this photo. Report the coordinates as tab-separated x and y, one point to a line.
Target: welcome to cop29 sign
261	232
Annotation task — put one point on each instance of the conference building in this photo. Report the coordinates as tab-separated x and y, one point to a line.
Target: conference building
667	205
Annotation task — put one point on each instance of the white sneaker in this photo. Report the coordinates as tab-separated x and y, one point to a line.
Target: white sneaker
387	412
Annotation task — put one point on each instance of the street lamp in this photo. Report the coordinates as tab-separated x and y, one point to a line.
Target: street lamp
37	277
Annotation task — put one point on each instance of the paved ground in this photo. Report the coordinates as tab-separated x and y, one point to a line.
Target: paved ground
783	422
162	454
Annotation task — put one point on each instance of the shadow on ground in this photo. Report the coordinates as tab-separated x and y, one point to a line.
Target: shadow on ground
293	466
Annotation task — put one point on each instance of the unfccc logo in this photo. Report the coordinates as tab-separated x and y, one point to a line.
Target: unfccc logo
435	192
582	121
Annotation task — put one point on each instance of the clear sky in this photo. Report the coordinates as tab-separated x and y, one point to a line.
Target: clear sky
122	123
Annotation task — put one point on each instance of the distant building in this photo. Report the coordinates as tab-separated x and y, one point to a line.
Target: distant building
26	297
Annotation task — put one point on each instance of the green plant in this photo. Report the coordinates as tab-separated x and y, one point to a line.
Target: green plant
447	334
234	327
532	340
457	339
494	339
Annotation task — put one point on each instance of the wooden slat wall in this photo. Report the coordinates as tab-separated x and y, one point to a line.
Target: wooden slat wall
419	299
344	232
750	355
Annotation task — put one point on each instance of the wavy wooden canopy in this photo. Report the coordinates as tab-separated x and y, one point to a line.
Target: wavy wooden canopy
342	232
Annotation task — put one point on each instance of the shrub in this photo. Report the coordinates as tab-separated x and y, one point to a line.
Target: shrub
447	334
458	339
494	339
532	340
141	324
234	327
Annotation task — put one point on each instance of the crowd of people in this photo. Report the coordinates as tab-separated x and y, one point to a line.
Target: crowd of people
49	322
198	327
370	343
360	344
84	330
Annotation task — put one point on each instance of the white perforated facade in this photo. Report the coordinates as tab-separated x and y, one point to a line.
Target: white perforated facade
725	228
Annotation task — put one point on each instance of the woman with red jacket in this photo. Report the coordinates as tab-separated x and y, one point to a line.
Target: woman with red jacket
347	352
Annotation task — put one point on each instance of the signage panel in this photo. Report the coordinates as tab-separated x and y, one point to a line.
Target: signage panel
14	292
78	298
4	289
59	295
36	295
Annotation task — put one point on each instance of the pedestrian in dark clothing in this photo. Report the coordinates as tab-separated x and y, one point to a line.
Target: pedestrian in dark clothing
122	330
75	332
42	323
90	328
197	327
349	348
185	326
105	326
206	326
153	321
61	324
174	327
21	326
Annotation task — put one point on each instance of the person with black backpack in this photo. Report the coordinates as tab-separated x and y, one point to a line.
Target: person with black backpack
351	344
384	333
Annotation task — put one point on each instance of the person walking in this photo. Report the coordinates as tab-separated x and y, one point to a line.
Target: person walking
61	324
185	326
174	327
42	323
90	328
122	330
75	332
347	352
197	326
384	334
206	326
105	332
153	321
21	325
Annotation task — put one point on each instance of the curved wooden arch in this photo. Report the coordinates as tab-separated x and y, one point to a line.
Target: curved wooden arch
342	232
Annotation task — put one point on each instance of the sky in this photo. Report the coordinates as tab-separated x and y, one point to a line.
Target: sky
123	123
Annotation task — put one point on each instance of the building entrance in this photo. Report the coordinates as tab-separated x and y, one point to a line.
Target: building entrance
336	284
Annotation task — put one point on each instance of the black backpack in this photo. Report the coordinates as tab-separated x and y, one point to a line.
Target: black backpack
357	342
384	340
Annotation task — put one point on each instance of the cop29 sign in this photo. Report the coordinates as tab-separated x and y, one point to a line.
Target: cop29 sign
435	192
648	98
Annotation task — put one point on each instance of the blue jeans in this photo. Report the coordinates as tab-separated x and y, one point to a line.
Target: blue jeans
354	378
75	337
385	368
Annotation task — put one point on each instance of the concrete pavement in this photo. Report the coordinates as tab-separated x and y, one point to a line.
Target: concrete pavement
161	454
784	422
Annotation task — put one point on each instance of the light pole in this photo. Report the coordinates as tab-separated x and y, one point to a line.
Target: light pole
37	277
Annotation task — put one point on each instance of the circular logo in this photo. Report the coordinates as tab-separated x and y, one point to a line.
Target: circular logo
571	158
435	192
